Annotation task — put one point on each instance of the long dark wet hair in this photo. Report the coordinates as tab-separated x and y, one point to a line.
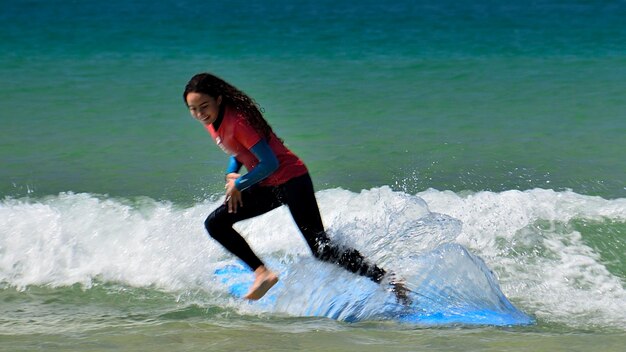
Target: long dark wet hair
209	84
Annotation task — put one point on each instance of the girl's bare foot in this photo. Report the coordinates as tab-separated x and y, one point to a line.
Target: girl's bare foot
263	281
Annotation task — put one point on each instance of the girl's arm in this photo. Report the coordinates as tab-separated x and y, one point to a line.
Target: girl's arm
268	163
233	165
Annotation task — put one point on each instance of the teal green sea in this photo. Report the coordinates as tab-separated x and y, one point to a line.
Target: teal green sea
496	125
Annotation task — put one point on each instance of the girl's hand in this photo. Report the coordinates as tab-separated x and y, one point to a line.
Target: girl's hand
232	176
233	195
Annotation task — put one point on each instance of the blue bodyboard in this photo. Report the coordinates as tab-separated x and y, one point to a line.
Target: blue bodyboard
454	287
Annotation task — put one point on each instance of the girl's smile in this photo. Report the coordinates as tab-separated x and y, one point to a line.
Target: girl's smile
203	107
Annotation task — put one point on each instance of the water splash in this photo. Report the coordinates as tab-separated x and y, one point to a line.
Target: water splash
536	242
450	286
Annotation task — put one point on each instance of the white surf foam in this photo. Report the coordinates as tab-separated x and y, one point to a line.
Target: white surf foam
542	264
548	271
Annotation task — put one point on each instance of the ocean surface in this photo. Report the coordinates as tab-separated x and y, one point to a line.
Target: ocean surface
494	127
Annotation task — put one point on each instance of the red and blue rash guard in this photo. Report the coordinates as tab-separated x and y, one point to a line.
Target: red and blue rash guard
237	137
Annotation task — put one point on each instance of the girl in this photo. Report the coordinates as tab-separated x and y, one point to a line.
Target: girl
275	177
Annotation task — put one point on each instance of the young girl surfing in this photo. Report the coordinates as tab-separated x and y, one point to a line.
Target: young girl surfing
275	177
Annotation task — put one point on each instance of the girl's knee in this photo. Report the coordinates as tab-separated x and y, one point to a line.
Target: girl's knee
215	226
326	251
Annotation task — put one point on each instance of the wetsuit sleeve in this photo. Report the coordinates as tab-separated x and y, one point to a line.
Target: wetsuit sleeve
268	163
233	165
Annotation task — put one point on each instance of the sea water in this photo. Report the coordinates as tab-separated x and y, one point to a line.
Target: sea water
495	126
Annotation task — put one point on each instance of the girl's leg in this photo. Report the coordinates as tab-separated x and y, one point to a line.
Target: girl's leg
300	197
256	201
219	224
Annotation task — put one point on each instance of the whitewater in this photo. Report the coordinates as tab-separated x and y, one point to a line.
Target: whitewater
531	241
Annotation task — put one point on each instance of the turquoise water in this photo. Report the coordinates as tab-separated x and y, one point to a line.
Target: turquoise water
506	118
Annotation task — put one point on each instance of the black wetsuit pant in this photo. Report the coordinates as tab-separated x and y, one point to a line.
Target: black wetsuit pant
299	196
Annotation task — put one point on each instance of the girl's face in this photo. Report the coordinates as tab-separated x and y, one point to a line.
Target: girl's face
203	107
